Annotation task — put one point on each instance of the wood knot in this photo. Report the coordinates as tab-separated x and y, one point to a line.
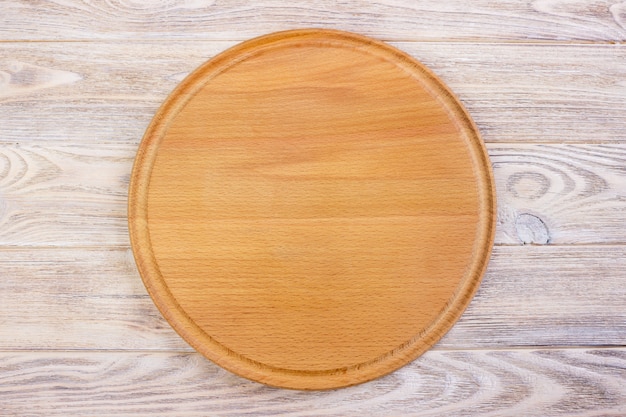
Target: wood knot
531	230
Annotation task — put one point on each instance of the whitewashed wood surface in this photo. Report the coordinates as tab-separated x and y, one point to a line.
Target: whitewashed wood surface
545	81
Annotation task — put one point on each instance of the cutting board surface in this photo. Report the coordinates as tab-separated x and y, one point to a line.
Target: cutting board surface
311	209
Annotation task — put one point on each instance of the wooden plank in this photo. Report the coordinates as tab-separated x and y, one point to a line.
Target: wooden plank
89	299
556	382
602	20
64	194
108	92
531	295
560	194
547	296
76	194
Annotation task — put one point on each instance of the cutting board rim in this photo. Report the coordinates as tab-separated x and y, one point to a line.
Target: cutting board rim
222	355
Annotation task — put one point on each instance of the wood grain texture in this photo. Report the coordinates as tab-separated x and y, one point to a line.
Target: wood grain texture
64	195
49	193
71	298
100	92
557	194
571	382
545	72
567	20
312	209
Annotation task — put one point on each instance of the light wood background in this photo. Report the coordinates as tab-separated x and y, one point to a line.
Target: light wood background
545	81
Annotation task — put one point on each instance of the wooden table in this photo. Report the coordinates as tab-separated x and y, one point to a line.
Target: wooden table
544	80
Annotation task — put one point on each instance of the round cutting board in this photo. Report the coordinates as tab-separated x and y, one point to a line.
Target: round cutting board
311	209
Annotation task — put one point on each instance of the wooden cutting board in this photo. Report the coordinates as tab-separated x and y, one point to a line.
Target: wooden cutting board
312	209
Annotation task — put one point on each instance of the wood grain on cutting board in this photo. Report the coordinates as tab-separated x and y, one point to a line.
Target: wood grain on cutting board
312	209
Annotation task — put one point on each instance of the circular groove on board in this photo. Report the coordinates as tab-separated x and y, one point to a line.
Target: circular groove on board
311	209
